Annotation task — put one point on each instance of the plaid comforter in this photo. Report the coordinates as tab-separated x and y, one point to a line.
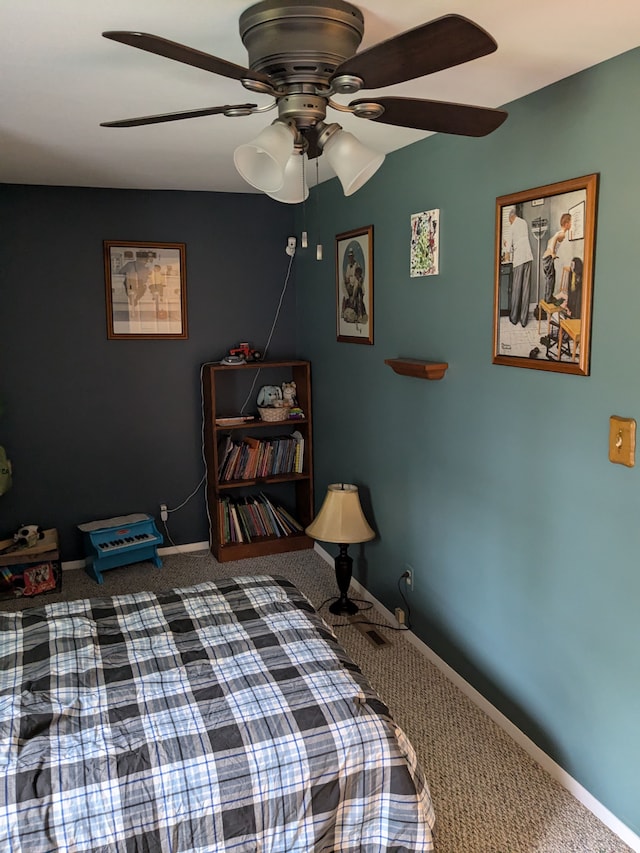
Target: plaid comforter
220	717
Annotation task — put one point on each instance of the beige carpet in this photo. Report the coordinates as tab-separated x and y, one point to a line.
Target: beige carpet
489	795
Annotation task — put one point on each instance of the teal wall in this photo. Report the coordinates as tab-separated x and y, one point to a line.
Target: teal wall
494	484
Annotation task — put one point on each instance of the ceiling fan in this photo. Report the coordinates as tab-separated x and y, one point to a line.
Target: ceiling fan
302	53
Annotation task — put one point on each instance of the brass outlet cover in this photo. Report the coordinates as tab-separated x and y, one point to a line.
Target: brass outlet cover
622	441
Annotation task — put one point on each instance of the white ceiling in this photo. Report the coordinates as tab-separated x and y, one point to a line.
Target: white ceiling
59	79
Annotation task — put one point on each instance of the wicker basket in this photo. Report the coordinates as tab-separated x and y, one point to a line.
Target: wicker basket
274	413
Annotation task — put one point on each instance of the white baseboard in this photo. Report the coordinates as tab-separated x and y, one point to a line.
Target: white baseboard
553	769
70	565
172	549
184	549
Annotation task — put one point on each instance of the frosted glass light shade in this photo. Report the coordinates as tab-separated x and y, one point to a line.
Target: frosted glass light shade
262	161
341	519
352	161
294	189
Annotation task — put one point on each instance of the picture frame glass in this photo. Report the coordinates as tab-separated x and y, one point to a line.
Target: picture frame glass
544	277
145	290
354	286
425	243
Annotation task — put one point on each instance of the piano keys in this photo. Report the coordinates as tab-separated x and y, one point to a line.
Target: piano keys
120	541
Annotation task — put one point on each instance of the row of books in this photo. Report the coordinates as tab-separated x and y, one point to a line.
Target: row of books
243	519
250	458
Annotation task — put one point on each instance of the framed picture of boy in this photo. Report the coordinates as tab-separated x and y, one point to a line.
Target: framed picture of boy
544	250
354	286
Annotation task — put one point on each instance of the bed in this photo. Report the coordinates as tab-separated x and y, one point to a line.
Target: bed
220	717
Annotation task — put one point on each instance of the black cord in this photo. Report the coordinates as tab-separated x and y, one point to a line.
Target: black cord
373	625
363	621
405	627
363	601
406	603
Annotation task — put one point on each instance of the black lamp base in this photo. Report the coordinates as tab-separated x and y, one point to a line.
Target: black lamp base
343	605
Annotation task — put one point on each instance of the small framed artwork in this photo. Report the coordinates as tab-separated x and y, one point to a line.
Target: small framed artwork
425	243
354	286
145	290
543	289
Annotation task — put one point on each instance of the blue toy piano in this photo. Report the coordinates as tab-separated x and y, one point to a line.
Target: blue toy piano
120	541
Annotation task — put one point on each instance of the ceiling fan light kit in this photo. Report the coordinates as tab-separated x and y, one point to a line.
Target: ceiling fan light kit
294	187
302	53
262	161
352	161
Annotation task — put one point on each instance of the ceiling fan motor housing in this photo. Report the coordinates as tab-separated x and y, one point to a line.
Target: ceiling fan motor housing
302	52
300	42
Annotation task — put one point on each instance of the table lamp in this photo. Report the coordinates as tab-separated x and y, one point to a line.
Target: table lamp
342	522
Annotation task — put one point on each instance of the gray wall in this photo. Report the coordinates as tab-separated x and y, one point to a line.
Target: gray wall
494	483
98	428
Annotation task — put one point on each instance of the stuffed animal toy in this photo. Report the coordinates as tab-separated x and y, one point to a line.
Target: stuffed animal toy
289	393
27	535
269	395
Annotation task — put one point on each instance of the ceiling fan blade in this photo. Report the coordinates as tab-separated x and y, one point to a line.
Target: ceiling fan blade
438	116
439	44
188	55
207	111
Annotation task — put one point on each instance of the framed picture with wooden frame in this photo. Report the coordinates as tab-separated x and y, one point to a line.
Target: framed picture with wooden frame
146	292
354	286
543	293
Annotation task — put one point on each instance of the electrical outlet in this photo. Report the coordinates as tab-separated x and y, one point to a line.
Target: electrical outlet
408	576
164	512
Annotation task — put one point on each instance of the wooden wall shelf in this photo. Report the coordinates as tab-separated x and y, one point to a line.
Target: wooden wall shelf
417	367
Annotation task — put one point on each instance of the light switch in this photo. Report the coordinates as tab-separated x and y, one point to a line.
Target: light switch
622	441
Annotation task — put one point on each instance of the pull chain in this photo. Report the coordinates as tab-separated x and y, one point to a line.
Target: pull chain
303	236
319	245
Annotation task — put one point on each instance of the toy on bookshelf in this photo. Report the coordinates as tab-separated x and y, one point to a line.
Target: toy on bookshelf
272	399
289	394
241	354
269	396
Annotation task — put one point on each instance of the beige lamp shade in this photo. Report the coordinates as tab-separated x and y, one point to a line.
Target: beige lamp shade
341	519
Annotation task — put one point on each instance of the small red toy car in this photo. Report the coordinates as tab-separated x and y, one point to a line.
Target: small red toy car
246	351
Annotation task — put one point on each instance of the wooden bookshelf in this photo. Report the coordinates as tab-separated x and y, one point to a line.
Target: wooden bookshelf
222	387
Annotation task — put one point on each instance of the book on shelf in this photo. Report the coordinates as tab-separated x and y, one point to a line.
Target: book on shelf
256	522
225	445
277	527
295	525
244	519
250	458
234	523
298	462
